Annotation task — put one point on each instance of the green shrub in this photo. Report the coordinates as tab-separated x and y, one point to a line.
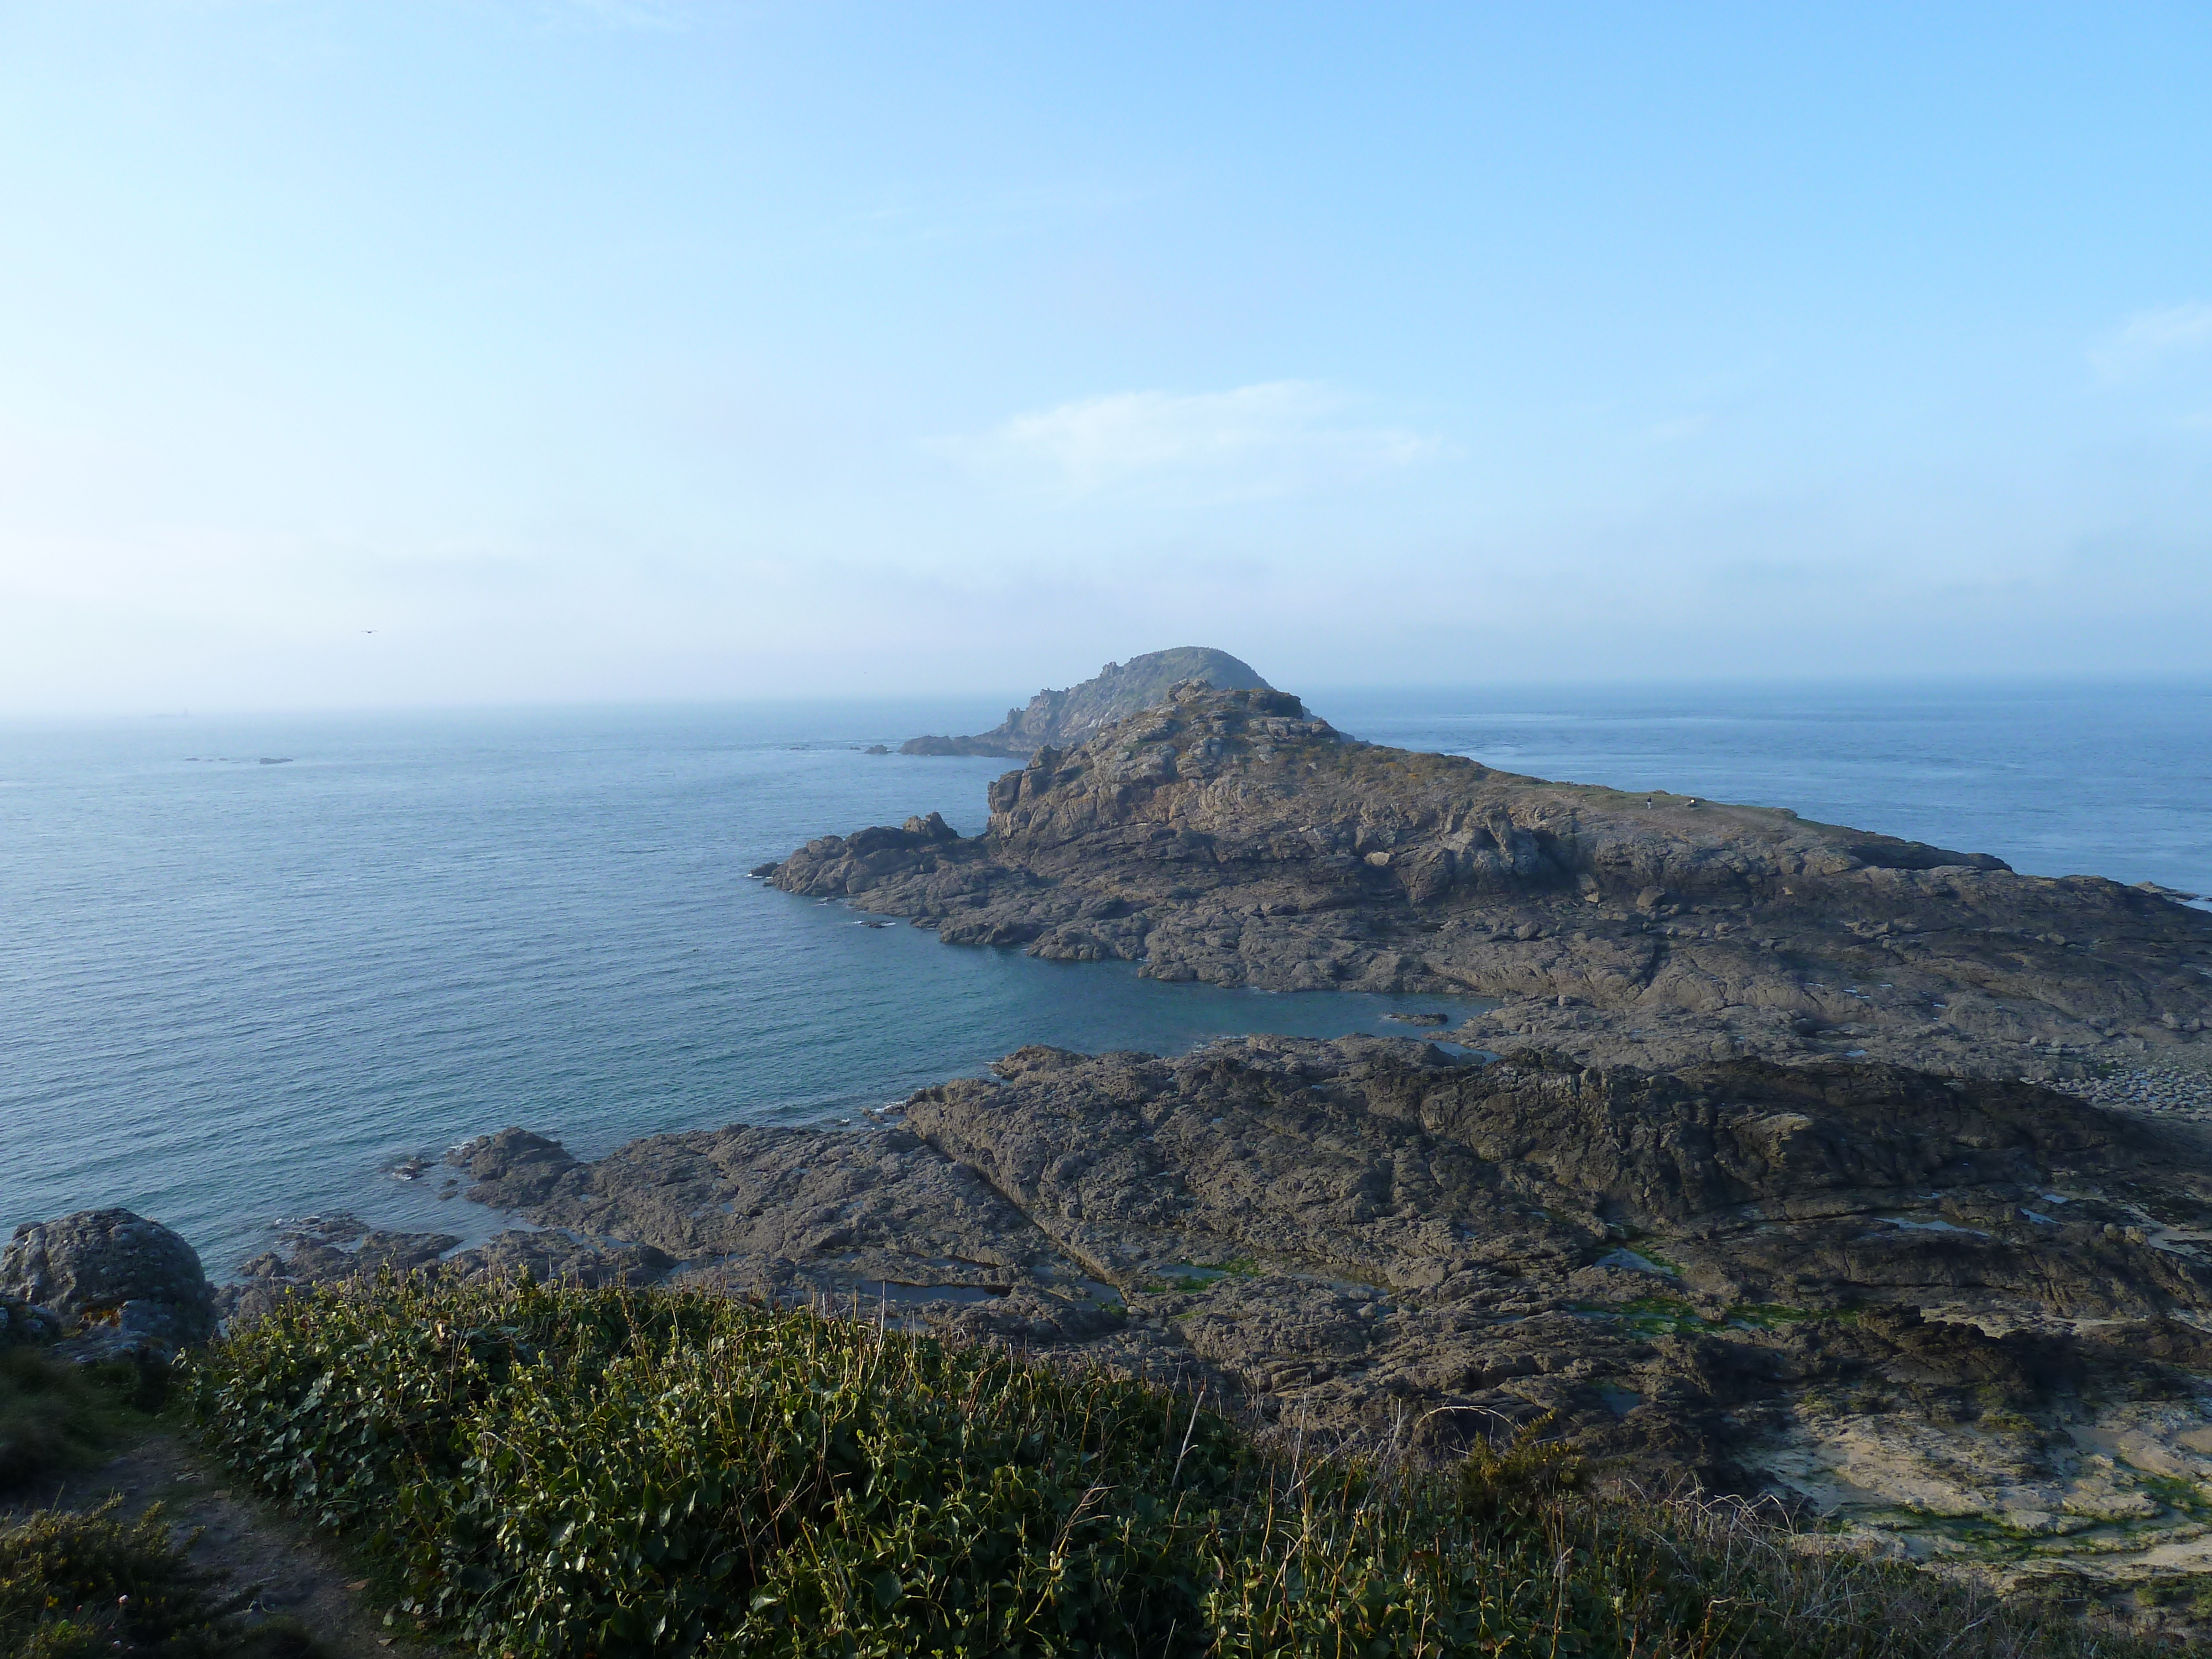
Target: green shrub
577	1473
73	1585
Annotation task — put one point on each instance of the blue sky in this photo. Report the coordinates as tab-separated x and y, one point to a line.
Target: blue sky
641	351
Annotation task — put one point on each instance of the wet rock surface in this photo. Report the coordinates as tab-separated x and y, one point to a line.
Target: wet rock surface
1225	836
108	1284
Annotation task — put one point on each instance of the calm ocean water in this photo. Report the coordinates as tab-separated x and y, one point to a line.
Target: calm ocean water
232	991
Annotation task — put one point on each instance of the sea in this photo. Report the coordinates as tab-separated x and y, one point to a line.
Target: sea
250	967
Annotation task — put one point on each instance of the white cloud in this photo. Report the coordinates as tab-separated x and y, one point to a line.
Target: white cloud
2148	337
1280	438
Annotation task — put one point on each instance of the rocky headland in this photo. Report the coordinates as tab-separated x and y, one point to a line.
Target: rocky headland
1117	691
1228	837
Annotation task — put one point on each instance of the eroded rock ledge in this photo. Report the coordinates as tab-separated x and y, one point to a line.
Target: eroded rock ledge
1228	836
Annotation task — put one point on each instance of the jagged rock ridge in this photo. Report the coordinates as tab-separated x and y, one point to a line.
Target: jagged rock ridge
1230	837
1065	718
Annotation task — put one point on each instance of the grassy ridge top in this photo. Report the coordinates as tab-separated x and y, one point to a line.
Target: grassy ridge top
571	1472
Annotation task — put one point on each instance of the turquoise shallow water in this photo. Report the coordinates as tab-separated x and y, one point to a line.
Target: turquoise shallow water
232	991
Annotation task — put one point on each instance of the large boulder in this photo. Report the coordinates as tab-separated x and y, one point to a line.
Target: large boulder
127	1286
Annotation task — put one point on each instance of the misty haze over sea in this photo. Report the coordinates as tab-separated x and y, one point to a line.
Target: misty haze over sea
251	964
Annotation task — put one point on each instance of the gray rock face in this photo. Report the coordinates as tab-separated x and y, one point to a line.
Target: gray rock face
1372	1226
130	1285
790	1212
1065	718
330	1249
514	1168
1227	836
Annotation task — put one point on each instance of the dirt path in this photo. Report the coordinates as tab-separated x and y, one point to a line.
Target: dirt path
291	1572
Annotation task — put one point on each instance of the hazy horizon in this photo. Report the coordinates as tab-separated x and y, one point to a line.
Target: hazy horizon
978	709
554	352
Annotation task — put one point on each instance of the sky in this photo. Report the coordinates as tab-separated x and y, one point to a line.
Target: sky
517	351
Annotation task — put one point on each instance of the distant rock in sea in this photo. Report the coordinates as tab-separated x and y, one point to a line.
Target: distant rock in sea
1063	719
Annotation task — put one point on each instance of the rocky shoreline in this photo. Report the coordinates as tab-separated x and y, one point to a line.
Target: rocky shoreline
1971	1319
1871	1176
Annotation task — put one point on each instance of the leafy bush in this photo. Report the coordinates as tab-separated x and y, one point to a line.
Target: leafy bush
73	1585
576	1473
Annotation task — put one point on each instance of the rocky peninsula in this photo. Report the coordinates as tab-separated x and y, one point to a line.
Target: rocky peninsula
1228	837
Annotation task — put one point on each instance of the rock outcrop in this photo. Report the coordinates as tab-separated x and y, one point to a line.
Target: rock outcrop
1914	1302
1065	718
1227	835
110	1282
330	1249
